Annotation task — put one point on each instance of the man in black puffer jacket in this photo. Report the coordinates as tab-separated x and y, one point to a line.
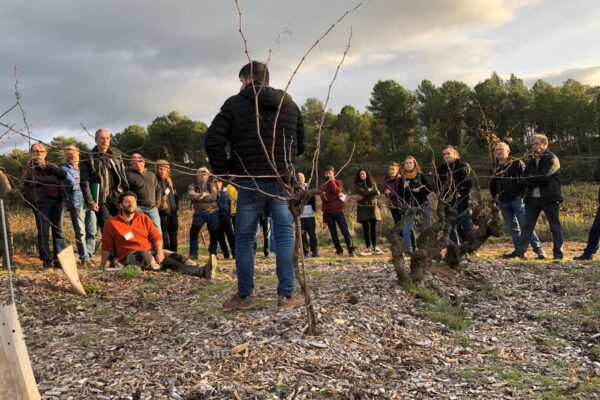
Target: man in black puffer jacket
505	189
280	127
541	180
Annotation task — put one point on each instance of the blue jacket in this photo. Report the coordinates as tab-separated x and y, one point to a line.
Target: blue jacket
72	186
224	204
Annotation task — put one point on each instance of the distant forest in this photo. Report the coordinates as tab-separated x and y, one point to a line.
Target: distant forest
398	122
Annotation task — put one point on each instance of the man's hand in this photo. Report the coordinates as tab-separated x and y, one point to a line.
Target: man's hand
160	256
94	207
388	191
417	190
406	183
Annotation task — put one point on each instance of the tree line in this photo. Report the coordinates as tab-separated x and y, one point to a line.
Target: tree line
397	122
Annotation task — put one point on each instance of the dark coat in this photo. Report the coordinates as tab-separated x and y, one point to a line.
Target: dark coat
91	167
454	178
331	191
39	180
367	208
505	183
545	175
411	198
393	185
596	175
172	199
145	186
235	125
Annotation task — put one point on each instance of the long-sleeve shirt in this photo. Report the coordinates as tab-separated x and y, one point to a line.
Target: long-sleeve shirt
125	237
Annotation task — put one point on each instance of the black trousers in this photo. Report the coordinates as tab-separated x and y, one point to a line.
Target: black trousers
396	214
370	232
226	234
169	225
308	226
106	212
533	208
331	219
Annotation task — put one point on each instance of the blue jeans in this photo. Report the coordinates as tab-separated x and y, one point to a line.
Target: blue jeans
91	227
250	204
409	217
514	215
153	214
464	221
78	220
212	222
50	218
593	237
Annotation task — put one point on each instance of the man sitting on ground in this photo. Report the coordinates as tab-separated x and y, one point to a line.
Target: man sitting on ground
135	239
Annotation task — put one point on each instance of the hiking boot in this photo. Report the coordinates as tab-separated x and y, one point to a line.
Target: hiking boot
238	303
583	257
512	255
558	256
210	268
377	251
315	255
366	252
290	302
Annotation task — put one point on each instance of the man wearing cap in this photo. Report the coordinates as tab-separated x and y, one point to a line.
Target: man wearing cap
135	239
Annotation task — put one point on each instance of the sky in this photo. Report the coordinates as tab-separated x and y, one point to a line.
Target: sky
112	63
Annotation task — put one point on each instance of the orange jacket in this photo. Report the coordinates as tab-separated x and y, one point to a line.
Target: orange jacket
125	238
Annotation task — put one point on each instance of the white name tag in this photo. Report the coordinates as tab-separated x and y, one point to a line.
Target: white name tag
343	197
167	191
128	235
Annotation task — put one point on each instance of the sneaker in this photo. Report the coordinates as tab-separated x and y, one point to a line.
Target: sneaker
307	255
272	255
210	268
377	250
315	255
582	257
541	256
266	253
88	264
512	255
366	252
290	302
339	253
238	303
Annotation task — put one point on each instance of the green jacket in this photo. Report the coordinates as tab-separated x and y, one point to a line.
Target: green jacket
368	207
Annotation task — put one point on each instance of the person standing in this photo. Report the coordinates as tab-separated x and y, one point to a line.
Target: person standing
391	190
103	178
594	236
307	221
75	202
367	210
454	178
541	180
505	189
144	184
281	130
414	188
6	191
168	205
42	187
203	195
226	233
333	202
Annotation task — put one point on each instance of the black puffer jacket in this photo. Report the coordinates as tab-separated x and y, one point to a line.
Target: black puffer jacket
504	182
236	124
455	180
545	175
415	199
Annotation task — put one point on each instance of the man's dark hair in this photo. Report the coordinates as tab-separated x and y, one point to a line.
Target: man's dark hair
257	71
127	194
328	168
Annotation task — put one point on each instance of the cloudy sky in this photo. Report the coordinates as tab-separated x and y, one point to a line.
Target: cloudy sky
111	63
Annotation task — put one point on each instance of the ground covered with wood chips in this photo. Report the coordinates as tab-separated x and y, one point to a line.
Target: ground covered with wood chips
497	330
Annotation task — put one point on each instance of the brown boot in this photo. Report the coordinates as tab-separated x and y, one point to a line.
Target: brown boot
290	302
210	268
238	303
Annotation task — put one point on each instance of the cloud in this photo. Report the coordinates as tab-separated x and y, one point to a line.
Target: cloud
111	63
587	75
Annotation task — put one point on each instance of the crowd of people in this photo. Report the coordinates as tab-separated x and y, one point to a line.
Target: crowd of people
136	209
